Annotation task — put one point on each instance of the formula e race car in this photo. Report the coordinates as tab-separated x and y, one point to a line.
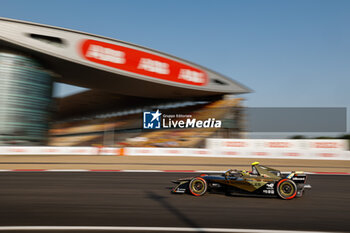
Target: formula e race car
261	181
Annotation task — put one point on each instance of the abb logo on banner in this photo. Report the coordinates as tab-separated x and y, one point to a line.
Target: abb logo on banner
261	153
326	145
172	152
143	63
293	154
235	144
201	152
327	155
278	144
143	151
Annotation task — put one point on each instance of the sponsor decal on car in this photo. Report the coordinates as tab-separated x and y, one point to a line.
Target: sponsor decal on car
298	178
269	191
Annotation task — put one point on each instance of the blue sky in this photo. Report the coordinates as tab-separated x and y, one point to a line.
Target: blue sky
291	53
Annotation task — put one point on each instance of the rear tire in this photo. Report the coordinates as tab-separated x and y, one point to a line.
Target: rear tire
286	189
198	186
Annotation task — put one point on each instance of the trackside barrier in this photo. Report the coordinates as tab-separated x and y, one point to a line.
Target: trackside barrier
110	151
277	144
151	151
52	150
237	153
226	148
47	150
280	148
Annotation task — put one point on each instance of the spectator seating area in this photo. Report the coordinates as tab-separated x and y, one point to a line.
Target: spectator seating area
116	130
186	137
88	132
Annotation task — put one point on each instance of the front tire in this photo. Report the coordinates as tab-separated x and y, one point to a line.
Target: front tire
286	189
198	186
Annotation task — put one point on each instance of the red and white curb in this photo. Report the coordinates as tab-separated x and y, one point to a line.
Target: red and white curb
146	171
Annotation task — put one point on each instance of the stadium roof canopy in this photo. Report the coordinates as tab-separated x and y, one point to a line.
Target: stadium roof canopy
96	102
97	62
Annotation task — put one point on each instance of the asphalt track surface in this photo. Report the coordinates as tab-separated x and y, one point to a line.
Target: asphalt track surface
144	199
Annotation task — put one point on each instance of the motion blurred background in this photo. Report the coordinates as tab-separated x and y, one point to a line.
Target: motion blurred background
73	151
289	54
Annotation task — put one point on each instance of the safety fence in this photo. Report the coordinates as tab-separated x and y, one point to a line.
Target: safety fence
230	148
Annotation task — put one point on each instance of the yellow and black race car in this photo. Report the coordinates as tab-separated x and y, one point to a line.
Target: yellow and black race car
261	181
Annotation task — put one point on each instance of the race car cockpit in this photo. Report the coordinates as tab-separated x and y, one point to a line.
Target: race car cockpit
257	170
264	171
234	173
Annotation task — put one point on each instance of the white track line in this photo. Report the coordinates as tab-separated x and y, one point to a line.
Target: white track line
174	229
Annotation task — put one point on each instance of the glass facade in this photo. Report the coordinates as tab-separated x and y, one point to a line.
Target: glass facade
25	100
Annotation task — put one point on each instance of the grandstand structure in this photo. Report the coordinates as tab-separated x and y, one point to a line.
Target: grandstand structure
123	80
125	128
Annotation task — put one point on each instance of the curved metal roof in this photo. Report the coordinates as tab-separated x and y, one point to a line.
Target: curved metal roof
98	62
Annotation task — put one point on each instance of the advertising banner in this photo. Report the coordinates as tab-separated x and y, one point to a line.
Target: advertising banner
142	63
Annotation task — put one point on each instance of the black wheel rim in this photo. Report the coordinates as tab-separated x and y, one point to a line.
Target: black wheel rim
198	186
287	188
